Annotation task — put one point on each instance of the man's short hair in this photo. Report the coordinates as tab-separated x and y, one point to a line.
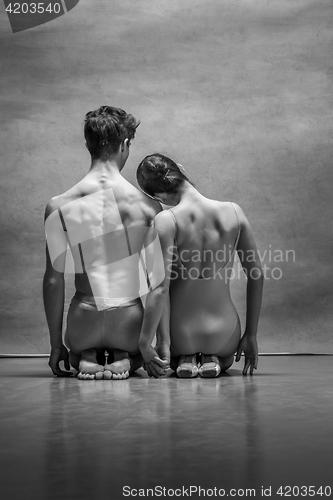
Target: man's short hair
106	128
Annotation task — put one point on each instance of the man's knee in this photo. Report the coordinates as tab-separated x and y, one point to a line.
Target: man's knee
74	359
136	362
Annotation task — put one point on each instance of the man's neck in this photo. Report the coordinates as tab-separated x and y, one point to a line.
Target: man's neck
108	168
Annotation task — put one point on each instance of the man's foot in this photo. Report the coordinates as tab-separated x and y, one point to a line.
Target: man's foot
89	369
120	368
188	366
210	366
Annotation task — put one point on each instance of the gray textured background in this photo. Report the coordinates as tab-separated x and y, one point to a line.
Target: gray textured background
238	91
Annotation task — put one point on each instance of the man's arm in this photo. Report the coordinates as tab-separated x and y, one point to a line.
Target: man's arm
54	290
252	266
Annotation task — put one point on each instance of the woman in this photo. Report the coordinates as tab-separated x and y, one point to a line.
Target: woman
199	238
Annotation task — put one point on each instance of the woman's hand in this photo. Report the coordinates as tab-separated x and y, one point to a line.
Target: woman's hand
152	363
163	351
248	344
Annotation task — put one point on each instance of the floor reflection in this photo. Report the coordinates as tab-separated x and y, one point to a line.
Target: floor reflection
172	432
68	439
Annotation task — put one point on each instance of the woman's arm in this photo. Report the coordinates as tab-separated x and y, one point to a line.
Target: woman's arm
156	315
163	333
249	257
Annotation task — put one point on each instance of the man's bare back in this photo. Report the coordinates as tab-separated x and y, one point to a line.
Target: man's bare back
105	221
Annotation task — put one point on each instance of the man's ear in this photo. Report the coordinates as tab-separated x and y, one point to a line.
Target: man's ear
124	144
181	168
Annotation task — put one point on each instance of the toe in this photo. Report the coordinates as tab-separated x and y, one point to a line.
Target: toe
99	375
107	375
79	375
91	376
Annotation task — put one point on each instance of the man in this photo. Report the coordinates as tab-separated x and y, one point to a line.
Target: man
108	225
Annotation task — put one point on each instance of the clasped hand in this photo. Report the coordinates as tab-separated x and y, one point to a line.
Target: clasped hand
155	365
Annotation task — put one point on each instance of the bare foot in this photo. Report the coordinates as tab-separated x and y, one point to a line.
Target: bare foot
89	369
120	368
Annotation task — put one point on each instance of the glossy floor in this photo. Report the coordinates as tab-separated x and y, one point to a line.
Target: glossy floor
69	439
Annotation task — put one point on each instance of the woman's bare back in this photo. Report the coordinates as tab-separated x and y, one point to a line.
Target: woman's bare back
203	317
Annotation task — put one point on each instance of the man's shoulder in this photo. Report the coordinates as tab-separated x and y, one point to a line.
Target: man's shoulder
57	202
150	204
154	205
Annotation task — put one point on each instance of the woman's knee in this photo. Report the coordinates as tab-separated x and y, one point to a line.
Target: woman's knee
226	362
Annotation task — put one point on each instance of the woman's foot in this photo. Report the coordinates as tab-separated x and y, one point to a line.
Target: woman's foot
89	369
188	366
120	368
210	366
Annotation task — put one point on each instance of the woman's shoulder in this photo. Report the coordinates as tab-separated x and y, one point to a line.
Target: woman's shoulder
165	218
228	206
228	214
165	223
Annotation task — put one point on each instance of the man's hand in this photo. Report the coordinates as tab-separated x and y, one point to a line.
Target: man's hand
60	354
152	363
248	345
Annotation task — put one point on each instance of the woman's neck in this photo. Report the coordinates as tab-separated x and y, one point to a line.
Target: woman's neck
189	192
